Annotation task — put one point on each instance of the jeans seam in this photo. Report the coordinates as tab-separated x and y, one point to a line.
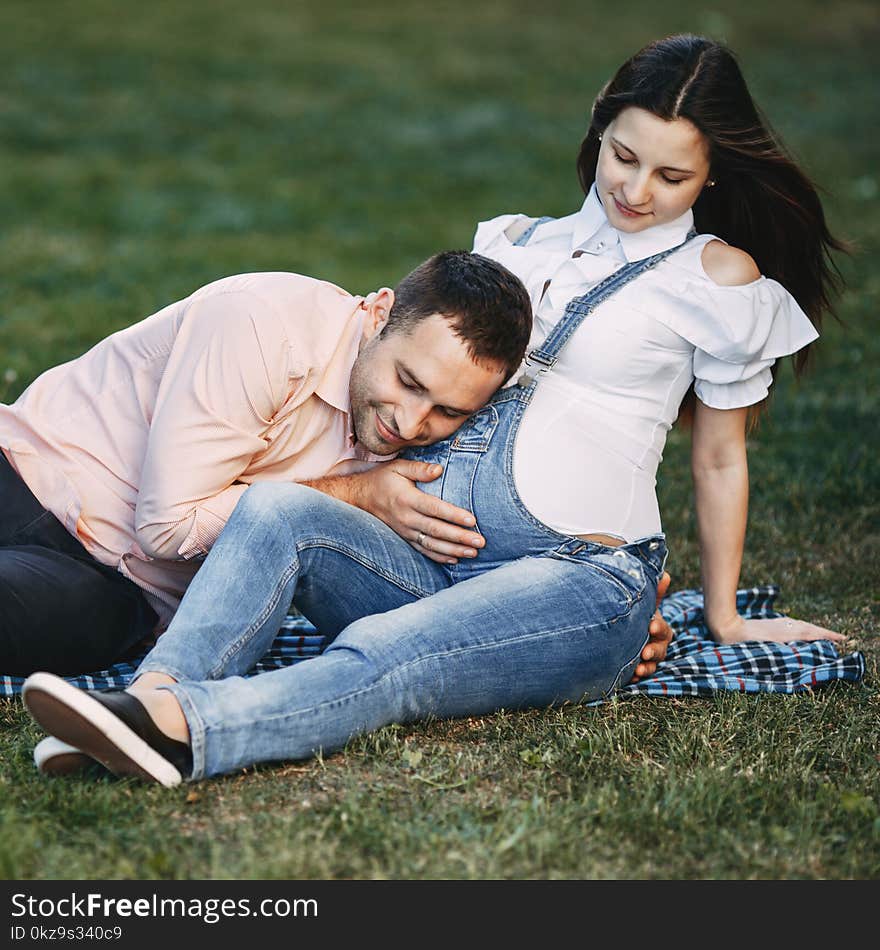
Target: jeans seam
482	446
631	596
615	683
369	564
158	668
247	635
196	735
473	448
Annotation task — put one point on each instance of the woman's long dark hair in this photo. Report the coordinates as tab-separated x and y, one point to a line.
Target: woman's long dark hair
761	202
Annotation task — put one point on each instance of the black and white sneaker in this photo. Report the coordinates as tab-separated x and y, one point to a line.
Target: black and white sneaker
112	727
54	757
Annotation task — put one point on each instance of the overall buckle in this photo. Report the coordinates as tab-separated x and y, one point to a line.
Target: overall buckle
543	364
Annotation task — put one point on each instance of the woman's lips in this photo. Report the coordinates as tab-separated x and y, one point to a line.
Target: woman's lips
627	211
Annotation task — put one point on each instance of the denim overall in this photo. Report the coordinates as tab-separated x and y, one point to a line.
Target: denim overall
477	459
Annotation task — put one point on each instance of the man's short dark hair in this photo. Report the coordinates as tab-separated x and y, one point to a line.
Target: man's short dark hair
487	306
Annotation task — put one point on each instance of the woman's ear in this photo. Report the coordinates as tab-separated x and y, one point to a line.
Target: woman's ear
378	306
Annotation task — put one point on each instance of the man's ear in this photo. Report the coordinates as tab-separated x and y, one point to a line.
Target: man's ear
378	306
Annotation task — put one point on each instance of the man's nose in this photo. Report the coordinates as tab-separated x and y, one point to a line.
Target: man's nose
412	418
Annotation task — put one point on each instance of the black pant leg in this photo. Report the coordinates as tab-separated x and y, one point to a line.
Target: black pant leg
19	509
63	614
60	609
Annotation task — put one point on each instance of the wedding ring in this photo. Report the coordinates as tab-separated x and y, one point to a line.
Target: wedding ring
420	541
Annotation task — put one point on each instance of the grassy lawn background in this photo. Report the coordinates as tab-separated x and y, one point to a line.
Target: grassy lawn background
148	150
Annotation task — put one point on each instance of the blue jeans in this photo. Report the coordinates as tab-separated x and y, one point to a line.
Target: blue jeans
410	638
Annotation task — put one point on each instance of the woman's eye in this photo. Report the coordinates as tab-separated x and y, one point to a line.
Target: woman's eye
407	383
672	181
624	161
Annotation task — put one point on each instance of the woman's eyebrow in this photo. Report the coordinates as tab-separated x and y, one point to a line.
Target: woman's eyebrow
667	168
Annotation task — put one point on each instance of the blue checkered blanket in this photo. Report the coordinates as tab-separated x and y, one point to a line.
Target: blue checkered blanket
697	666
694	666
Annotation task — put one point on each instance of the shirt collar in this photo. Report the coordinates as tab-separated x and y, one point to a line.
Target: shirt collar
592	218
334	383
334	386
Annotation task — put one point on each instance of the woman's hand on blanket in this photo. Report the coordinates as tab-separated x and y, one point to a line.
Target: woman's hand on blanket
659	637
773	630
440	531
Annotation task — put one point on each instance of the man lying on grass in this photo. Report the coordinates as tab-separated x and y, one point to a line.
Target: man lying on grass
119	469
188	407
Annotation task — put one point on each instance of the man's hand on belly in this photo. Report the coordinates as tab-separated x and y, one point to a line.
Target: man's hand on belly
440	531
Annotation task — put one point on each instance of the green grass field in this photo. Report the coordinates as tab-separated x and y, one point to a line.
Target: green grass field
148	149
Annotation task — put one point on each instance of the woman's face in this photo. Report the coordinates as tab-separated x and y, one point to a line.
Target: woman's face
649	171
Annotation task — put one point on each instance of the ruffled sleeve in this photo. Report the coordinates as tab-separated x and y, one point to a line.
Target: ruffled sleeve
738	334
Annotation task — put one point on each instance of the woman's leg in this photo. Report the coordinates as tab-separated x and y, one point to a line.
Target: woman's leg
535	632
286	542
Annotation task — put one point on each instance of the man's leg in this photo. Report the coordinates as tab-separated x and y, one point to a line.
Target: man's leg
282	539
64	614
286	542
60	609
534	632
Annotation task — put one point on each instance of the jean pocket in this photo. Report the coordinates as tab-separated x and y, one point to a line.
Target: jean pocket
626	567
606	598
476	434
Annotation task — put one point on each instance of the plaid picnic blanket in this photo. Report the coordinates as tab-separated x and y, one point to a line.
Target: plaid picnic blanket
694	666
697	666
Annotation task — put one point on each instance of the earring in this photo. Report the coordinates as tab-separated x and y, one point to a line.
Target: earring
710	183
599	136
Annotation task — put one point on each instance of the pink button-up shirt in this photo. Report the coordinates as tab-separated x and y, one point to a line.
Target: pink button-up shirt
143	446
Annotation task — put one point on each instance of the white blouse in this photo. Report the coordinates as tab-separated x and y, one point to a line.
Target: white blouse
591	440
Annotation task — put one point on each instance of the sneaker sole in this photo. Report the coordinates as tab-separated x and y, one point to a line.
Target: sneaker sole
71	715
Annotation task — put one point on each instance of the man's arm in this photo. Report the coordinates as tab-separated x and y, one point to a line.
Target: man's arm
220	389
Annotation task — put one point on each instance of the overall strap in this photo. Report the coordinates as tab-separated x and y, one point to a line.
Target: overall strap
529	231
577	310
